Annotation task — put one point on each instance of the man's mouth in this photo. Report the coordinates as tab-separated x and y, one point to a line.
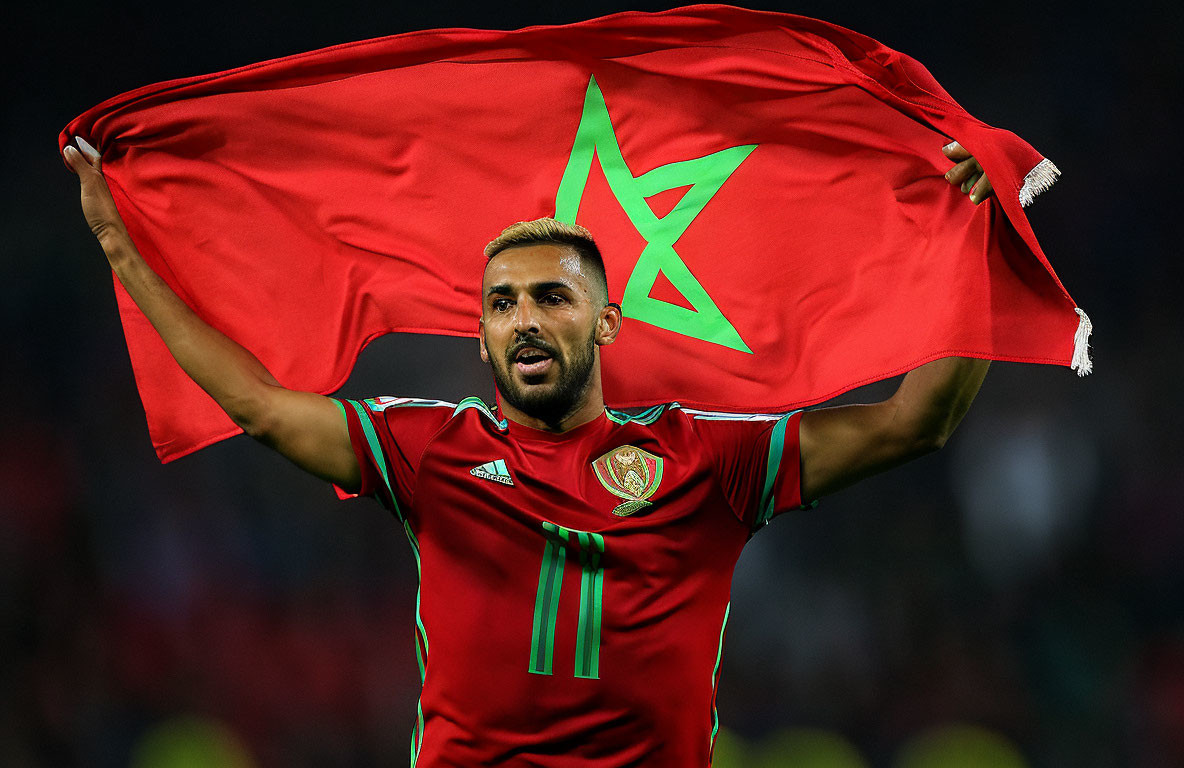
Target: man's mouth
532	361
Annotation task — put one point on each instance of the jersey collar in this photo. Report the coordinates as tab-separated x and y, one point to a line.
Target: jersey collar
523	432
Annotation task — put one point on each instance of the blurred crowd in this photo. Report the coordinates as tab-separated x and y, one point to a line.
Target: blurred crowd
1015	600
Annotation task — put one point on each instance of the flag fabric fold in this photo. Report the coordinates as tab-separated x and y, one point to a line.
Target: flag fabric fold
767	190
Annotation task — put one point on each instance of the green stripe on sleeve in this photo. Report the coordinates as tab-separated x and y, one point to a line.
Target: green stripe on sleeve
377	453
372	440
776	448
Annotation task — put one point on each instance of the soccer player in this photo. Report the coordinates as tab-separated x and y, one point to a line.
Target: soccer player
575	561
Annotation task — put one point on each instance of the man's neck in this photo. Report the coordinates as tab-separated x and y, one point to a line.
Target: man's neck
591	408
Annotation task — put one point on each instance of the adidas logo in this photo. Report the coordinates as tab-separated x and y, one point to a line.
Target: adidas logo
493	470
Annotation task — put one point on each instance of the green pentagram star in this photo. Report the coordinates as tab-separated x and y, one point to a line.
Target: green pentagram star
705	175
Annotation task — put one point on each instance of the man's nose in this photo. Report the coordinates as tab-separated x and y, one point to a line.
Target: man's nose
525	320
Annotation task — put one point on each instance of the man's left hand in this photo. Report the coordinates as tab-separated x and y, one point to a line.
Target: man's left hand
967	173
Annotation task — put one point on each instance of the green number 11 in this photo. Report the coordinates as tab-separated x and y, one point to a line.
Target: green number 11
546	603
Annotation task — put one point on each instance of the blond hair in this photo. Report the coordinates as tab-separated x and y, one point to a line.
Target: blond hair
544	230
549	230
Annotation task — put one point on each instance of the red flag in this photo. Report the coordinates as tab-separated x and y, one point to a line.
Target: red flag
767	190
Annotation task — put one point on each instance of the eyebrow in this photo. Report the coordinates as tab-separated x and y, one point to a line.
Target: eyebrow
535	288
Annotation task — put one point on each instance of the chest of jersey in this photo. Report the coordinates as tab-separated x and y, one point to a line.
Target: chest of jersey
495	499
574	554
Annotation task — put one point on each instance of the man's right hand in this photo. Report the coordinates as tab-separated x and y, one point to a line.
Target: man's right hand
97	204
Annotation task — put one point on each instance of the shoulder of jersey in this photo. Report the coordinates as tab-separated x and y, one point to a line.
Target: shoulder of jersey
654	413
699	415
380	404
442	407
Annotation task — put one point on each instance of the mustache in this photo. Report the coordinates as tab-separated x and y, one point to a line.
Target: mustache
538	344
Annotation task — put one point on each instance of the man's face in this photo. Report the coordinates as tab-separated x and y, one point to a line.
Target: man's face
540	324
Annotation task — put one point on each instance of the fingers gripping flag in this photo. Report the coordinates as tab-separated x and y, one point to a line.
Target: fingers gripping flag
767	191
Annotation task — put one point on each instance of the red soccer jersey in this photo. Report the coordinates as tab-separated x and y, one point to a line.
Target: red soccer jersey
574	588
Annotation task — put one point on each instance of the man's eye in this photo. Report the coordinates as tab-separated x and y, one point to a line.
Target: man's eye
501	305
551	298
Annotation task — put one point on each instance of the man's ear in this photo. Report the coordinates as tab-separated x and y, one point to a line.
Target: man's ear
481	340
609	324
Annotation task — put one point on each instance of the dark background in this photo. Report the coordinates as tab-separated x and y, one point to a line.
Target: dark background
1015	600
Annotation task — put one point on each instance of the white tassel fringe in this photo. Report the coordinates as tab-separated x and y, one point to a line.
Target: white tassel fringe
1040	178
1081	362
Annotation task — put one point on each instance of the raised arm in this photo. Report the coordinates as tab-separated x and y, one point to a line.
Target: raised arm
846	444
305	427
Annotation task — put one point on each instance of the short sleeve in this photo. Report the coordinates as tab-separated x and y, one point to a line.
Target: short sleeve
758	461
389	436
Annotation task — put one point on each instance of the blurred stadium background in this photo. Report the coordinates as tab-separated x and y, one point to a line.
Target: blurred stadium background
1016	600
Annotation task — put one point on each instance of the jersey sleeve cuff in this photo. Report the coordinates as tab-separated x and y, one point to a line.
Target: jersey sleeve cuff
782	489
357	439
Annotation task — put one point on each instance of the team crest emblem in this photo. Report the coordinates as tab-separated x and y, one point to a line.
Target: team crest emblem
630	473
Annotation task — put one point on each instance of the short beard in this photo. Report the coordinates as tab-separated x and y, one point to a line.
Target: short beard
553	404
